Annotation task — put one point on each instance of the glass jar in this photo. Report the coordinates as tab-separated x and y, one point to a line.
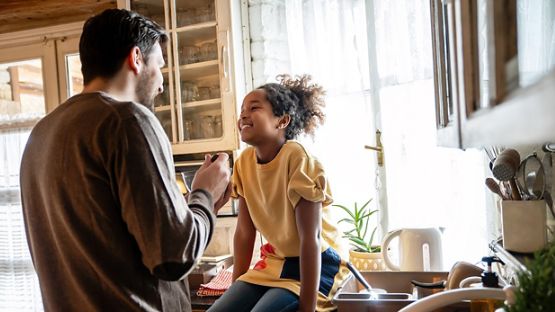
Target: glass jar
205	14
185	17
188	130
207	127
218	127
215	92
208	51
203	93
189	54
189	92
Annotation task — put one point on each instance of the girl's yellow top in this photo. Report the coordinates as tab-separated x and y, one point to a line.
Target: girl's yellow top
272	191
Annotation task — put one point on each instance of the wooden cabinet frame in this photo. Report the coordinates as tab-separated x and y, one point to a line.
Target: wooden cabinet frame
511	116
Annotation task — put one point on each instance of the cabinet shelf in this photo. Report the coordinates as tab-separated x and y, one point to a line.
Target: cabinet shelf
201	69
202	106
197	29
162	108
197	34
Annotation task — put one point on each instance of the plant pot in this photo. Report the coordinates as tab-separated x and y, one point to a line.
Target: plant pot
367	261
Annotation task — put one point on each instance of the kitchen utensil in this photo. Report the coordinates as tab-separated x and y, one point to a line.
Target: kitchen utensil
547	163
419	250
505	189
359	277
494	187
505	167
549	147
374	292
531	177
523	225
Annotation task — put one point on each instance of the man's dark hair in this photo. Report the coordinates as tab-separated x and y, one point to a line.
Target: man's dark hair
108	38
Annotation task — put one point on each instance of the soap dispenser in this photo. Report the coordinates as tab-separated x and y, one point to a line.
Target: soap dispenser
491	280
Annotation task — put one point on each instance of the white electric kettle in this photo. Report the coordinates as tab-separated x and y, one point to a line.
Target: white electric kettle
419	250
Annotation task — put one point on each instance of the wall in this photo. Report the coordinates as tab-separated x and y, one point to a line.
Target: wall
269	48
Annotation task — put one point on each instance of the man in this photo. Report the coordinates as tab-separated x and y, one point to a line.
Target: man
107	226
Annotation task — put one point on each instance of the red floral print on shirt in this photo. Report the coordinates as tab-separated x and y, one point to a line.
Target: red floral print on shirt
265	250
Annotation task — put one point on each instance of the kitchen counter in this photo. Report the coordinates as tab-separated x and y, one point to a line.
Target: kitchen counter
201	303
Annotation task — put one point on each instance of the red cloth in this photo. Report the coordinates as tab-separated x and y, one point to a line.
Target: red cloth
217	286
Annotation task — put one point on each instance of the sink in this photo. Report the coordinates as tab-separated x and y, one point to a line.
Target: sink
398	285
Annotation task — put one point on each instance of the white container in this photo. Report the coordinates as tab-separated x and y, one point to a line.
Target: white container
419	250
524	225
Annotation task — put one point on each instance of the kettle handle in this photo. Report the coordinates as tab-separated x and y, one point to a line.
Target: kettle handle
387	239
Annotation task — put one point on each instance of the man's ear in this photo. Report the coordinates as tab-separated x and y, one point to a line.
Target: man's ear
135	60
284	121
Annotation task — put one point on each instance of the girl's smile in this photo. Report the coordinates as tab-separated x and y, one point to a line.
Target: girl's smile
257	123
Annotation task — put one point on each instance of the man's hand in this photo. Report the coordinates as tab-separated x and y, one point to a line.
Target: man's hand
213	177
222	200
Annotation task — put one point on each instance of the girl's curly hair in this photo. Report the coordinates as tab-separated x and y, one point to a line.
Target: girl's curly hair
300	99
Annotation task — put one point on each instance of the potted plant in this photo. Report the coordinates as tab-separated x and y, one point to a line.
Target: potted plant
364	255
536	286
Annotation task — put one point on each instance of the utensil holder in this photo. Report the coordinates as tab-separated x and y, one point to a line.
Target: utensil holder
524	225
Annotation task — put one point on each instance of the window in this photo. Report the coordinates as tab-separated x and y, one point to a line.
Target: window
29	88
22	104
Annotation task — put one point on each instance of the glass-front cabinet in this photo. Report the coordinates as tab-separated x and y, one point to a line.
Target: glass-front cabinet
204	76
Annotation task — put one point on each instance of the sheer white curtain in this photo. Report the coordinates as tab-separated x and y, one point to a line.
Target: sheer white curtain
19	289
426	185
536	39
327	39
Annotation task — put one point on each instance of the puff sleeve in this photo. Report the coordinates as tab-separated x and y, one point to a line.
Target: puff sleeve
307	180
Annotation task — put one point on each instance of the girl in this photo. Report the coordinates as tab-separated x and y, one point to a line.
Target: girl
283	193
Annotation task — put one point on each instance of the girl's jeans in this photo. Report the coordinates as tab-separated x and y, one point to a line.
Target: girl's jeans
243	296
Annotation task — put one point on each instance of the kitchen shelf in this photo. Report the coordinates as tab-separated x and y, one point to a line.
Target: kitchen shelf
162	108
197	34
201	69
201	103
197	29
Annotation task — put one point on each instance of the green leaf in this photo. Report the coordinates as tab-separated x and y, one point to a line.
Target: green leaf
359	219
372	237
366	203
346	210
345	220
366	227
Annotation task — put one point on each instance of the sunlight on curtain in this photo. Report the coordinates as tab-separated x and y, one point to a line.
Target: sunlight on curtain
426	185
327	39
19	289
536	39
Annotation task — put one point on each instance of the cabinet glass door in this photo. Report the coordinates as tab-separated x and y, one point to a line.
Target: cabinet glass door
158	11
200	104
